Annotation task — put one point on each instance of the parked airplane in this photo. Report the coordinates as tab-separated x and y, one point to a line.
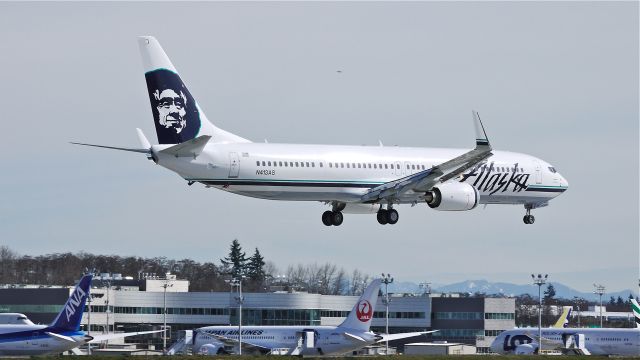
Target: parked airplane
585	341
25	338
351	179
351	335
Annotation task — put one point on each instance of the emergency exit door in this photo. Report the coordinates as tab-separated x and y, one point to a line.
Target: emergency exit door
234	165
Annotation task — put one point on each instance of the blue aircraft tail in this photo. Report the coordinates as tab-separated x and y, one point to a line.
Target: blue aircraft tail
71	314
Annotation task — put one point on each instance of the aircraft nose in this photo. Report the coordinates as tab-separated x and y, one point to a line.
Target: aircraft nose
564	182
494	346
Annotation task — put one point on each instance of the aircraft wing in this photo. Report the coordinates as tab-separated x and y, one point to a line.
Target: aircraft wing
104	337
234	342
425	180
61	337
390	337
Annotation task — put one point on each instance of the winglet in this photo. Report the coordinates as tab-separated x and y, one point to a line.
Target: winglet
481	135
143	139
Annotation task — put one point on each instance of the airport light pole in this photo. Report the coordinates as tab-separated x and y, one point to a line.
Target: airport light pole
599	290
165	285
89	300
386	280
107	311
539	280
240	299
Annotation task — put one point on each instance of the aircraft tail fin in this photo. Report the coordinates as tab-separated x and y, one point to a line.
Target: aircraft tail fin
362	313
636	311
176	114
563	320
69	317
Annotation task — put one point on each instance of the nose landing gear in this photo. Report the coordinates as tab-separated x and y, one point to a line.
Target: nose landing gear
529	219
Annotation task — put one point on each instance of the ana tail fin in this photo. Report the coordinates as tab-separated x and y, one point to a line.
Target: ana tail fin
69	317
362	313
176	114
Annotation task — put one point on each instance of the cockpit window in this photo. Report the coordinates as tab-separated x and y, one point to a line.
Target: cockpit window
552	169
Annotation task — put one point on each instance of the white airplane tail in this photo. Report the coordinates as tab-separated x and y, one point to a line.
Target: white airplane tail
636	311
176	114
362	313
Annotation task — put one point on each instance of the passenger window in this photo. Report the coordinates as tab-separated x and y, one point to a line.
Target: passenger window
307	164
379	166
291	163
413	167
269	163
407	166
301	163
296	164
330	165
422	167
321	164
342	165
375	166
285	164
385	166
353	165
347	165
258	163
359	166
369	165
264	164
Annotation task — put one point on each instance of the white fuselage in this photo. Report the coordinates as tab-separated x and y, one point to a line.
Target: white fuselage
345	173
609	341
328	340
33	340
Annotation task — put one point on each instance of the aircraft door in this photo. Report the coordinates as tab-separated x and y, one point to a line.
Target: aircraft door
234	165
538	171
398	170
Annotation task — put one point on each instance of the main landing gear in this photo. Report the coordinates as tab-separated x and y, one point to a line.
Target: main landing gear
388	216
334	218
529	219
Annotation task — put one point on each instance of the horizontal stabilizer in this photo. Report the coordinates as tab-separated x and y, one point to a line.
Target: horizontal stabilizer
354	337
143	151
61	337
188	148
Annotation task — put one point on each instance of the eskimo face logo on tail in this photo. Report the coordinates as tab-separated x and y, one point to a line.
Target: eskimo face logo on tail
364	311
174	110
74	301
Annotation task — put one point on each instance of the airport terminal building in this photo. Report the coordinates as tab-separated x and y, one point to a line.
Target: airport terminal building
137	305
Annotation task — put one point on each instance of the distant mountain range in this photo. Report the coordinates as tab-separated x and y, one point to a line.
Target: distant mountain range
495	288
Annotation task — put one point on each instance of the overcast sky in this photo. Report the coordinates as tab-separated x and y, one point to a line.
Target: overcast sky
555	80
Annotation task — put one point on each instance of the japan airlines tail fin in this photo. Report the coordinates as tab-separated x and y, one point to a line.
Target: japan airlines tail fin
176	114
636	311
362	313
69	317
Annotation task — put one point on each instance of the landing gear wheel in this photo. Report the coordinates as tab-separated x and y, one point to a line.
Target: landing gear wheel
382	217
392	216
336	218
529	219
326	218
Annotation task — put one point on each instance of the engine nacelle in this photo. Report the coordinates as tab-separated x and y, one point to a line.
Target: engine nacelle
526	349
453	196
210	350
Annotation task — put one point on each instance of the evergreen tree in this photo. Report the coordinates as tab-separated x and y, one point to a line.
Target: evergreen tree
255	268
549	294
235	263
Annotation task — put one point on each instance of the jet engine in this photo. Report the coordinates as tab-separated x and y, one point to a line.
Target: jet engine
453	196
210	350
526	349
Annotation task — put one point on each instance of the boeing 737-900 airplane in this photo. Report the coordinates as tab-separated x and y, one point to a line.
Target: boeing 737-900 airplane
351	179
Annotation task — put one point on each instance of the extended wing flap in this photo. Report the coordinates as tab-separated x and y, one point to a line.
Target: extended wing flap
189	148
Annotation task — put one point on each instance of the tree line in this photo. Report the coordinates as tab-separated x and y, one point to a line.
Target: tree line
258	274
